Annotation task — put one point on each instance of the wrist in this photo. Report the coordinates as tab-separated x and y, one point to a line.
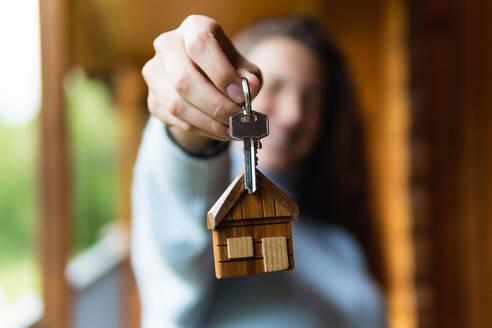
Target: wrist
188	141
196	146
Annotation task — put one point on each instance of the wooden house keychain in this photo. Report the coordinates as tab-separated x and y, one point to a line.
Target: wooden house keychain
251	221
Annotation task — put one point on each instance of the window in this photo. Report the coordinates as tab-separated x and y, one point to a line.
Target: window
240	247
275	257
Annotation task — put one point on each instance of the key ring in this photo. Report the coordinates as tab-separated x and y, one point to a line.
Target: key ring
247	98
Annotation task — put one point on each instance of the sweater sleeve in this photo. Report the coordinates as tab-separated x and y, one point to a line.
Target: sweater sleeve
171	247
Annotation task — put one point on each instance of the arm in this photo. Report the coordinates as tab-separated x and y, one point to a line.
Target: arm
171	247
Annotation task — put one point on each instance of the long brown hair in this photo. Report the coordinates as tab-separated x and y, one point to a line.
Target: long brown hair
335	178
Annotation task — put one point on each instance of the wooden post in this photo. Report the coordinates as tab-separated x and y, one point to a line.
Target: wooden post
130	95
55	213
390	130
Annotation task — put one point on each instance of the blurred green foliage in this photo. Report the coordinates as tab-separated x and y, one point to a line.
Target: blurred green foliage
18	205
91	123
18	187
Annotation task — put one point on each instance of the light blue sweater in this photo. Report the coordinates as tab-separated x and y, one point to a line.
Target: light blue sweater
172	258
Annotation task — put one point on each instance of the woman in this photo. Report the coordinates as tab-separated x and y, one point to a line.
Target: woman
313	152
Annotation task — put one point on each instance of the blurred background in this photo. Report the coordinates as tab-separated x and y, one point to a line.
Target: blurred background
72	108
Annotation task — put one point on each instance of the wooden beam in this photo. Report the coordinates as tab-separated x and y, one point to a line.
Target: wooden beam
129	96
54	186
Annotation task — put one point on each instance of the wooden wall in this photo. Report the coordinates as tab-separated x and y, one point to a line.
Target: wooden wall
451	84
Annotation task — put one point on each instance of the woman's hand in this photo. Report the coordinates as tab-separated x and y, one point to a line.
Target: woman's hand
194	81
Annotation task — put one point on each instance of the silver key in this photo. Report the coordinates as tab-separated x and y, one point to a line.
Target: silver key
249	126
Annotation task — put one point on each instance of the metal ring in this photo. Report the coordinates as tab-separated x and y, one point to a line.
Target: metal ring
247	98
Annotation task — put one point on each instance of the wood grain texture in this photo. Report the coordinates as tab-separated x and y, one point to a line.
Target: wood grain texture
215	242
239	223
274	250
252	205
239	247
230	196
226	267
255	231
280	210
243	268
268	204
278	194
222	254
237	211
237	204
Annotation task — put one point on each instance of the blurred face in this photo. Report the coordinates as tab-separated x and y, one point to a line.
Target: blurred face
291	96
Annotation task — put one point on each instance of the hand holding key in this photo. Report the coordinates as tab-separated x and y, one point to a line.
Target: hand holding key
194	80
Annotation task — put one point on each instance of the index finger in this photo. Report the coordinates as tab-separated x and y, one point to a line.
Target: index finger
210	49
175	68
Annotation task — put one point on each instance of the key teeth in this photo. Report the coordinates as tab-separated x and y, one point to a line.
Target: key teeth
258	146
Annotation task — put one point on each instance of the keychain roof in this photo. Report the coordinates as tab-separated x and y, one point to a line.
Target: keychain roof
283	204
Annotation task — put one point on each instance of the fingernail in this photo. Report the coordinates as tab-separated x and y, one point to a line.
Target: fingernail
235	92
252	79
247	74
